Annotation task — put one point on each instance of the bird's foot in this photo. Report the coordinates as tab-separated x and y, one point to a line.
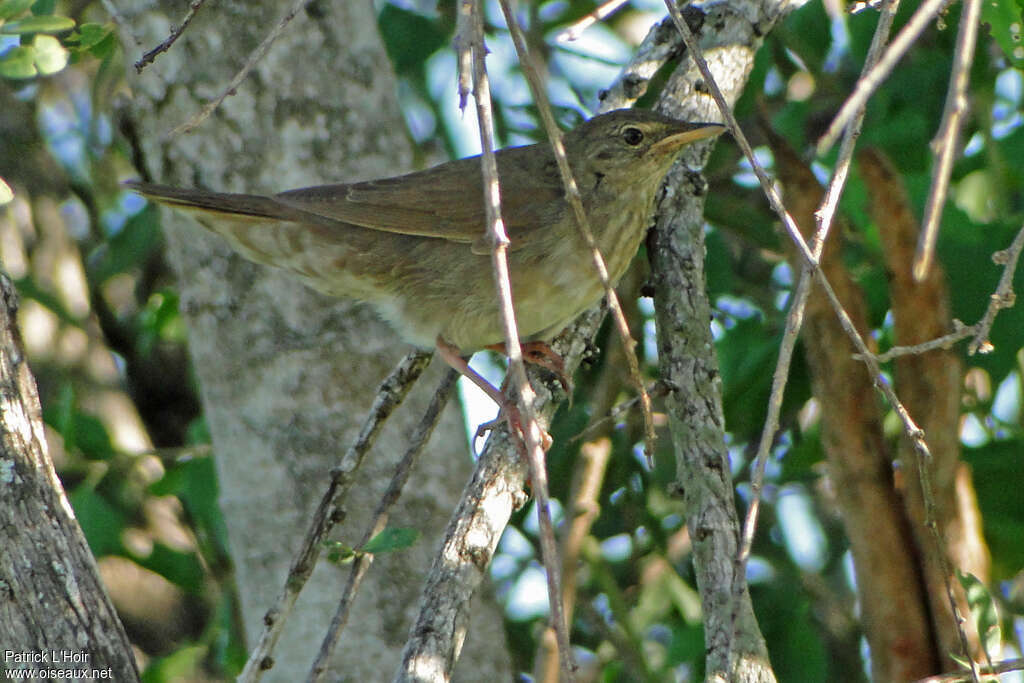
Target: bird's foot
508	412
541	354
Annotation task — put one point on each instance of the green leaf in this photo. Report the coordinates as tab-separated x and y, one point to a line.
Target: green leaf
409	37
129	248
101	522
12	8
993	466
984	612
50	55
390	540
18	62
43	24
338	553
1005	25
182	665
40	7
160	321
194	481
88	36
81	432
181	569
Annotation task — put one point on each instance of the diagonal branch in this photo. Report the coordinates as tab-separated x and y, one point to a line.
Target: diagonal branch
329	512
947	140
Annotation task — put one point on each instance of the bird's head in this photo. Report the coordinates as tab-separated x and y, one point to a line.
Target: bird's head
634	144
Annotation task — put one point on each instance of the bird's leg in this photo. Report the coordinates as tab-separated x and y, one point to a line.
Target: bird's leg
541	354
451	355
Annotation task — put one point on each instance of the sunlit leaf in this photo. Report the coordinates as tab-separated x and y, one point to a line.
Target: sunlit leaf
50	55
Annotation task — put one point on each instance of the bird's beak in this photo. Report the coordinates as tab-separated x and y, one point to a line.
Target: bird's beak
690	132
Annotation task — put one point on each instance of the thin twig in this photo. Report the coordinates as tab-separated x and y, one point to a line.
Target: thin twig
572	195
869	82
946	341
837	184
251	62
657	389
463	46
362	562
947	140
924	462
392	392
1003	296
1003	667
574	31
517	370
176	32
584	509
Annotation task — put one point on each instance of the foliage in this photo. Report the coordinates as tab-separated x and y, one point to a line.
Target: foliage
638	613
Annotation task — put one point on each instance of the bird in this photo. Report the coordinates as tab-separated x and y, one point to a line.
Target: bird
415	247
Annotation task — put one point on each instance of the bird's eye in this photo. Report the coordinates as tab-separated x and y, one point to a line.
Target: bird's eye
633	136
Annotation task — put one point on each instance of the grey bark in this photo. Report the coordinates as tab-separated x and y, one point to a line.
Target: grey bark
54	613
286	374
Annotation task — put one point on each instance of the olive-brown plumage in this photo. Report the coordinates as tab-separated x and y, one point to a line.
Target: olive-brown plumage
413	245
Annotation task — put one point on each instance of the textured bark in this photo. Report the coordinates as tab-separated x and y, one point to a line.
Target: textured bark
54	613
287	374
735	649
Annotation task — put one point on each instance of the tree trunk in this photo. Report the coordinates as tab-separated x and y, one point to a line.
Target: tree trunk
54	613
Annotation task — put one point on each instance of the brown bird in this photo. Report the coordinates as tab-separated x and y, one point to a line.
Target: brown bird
414	246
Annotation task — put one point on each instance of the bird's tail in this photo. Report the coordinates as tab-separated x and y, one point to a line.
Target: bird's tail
203	201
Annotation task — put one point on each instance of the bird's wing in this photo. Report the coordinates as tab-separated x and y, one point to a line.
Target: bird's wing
444	202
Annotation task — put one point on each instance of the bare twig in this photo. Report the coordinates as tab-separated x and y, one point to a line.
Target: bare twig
837	184
869	82
656	389
1003	296
584	508
176	32
380	519
254	58
572	195
463	45
517	370
329	512
946	341
1003	667
948	138
576	30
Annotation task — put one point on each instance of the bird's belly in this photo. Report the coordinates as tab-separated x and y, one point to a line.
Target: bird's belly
429	287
